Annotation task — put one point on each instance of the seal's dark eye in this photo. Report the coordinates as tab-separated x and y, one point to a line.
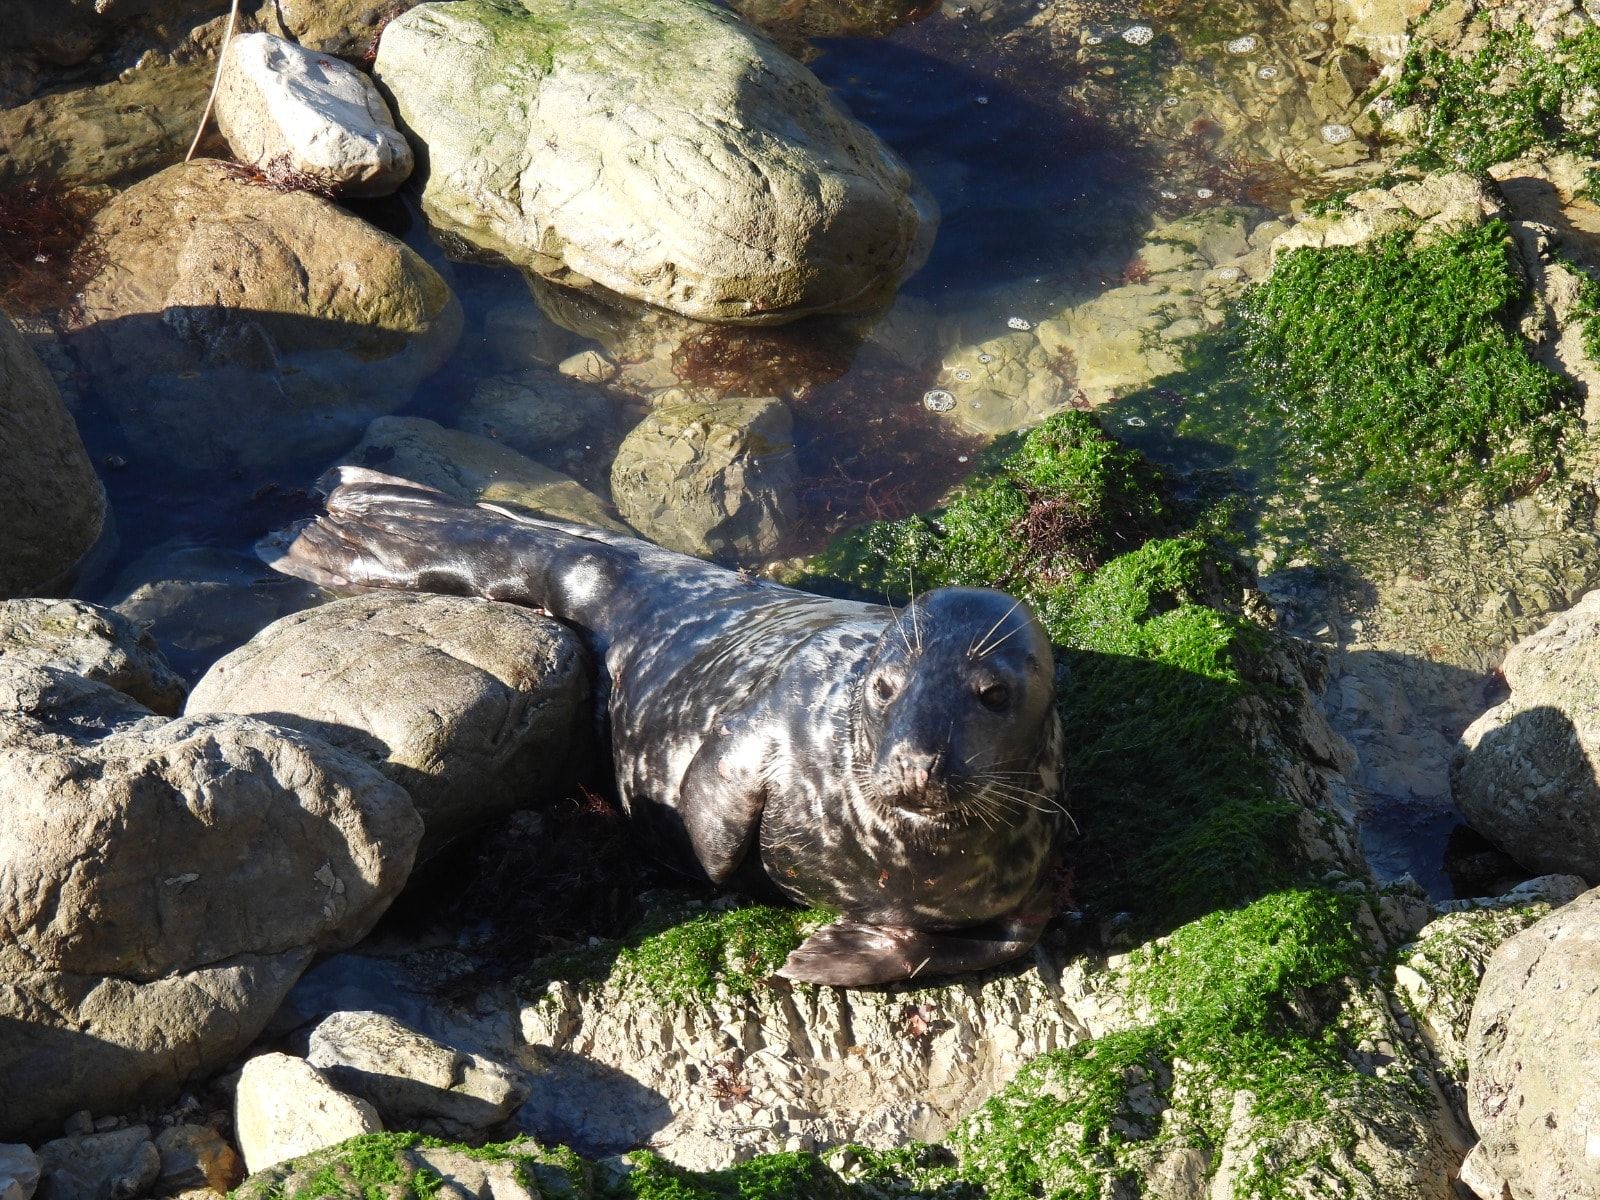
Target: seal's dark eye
884	688
994	696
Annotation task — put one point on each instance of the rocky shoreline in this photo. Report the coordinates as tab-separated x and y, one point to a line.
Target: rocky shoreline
290	903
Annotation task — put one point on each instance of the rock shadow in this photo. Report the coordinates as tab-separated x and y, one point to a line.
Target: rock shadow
1529	786
593	1108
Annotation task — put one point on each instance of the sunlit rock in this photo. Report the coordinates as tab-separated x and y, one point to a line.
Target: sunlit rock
571	140
287	109
307	320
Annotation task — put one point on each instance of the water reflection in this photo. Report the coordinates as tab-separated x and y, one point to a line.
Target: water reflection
794	24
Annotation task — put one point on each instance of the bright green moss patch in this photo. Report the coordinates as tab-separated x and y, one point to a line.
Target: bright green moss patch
1507	98
1178	816
1232	991
677	954
1061	1128
794	1176
1400	369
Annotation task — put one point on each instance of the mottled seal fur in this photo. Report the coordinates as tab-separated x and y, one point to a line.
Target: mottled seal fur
901	768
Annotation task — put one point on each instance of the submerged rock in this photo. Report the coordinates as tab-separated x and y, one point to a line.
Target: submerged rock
308	320
52	507
714	478
473	707
1532	1057
1525	772
286	108
99	1166
534	412
163	884
200	601
111	133
570	140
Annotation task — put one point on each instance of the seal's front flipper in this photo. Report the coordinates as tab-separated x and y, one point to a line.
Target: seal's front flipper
848	954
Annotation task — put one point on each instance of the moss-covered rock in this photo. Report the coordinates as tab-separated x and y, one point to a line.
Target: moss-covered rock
1482	84
409	1166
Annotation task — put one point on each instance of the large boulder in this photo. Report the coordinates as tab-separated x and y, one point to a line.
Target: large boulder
709	477
472	706
574	139
1525	772
285	108
1532	1057
163	884
237	326
52	507
92	642
348	28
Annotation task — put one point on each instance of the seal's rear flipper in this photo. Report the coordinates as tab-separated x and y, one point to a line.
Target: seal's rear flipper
847	954
383	531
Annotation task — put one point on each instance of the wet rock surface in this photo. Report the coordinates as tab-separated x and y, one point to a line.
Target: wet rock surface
53	509
709	477
743	194
311	321
475	708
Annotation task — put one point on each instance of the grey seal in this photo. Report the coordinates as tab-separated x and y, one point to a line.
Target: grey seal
900	768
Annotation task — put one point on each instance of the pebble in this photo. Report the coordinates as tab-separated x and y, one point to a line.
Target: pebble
1020	323
1243	45
1138	35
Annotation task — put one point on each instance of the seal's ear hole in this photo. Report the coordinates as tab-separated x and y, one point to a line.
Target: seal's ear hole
885	688
994	696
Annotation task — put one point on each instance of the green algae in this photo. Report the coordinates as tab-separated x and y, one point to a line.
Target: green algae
677	954
1506	99
789	1176
1400	367
380	1166
1178	815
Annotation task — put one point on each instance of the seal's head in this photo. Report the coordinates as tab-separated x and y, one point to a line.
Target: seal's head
956	706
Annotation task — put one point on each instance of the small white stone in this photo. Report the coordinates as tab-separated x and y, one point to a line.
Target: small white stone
1336	135
1268	72
938	400
281	105
1094	39
1138	35
1243	45
1136	422
1204	193
1020	323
